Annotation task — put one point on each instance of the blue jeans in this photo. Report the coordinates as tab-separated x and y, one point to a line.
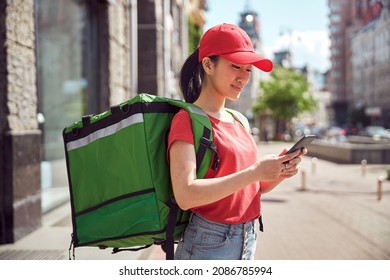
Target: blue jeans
207	240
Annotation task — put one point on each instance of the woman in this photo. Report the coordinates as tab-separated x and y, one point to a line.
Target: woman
226	203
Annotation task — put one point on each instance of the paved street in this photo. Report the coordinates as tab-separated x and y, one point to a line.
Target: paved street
335	216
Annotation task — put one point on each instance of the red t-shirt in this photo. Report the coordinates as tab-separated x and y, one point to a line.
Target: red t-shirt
237	151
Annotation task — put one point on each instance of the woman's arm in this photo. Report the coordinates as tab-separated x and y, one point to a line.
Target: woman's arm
192	192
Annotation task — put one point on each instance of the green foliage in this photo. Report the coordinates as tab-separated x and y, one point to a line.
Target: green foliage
388	173
285	94
194	35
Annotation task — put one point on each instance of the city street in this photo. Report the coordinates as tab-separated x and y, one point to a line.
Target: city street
336	216
327	211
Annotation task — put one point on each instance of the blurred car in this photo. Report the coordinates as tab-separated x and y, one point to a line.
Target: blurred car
336	133
300	130
319	131
376	132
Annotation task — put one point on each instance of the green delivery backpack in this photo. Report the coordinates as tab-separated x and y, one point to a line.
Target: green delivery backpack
119	180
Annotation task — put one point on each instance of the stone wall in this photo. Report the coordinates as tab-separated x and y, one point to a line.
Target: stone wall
20	138
20	50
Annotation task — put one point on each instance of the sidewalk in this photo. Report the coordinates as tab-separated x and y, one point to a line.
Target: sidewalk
336	216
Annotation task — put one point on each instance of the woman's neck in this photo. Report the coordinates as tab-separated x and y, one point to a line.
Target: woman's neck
213	106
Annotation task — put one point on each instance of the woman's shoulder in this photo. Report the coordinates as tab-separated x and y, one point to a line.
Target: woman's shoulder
181	128
182	116
182	113
181	120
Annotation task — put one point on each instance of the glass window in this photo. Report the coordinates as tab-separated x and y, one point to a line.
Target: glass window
63	50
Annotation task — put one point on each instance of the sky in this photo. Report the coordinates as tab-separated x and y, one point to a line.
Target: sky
301	25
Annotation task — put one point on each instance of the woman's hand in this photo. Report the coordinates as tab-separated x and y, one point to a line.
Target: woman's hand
272	167
287	167
291	167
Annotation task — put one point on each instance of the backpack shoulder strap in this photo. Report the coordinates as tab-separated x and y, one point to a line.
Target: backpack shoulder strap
240	117
205	149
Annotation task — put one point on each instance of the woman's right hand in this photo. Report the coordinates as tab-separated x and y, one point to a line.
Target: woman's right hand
272	167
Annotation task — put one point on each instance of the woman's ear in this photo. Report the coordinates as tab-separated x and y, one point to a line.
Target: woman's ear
207	65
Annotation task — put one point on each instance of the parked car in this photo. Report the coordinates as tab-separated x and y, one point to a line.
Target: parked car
300	130
376	132
336	133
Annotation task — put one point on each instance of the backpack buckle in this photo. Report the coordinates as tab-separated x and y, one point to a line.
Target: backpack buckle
211	145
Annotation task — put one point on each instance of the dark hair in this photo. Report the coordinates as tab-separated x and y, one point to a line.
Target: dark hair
191	77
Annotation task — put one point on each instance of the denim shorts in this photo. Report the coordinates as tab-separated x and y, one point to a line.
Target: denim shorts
207	240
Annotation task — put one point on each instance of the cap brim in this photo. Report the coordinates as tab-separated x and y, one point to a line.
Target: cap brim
256	60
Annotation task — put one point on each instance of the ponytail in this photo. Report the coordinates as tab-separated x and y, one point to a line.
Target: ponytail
191	76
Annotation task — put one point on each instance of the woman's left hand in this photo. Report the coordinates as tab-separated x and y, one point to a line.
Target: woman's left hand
291	167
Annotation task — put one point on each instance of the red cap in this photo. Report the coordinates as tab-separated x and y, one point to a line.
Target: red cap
232	43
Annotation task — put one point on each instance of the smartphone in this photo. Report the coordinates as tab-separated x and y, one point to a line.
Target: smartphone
302	143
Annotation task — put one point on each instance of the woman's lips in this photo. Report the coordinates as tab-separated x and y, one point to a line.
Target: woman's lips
237	88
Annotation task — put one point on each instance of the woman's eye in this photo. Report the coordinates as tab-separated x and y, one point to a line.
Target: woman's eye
236	67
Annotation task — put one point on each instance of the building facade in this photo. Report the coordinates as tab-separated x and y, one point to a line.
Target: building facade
358	30
60	60
20	136
340	17
370	59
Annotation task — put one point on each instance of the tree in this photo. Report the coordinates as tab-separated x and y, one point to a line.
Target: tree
194	35
286	95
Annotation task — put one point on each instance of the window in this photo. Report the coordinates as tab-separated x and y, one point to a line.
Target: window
66	80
